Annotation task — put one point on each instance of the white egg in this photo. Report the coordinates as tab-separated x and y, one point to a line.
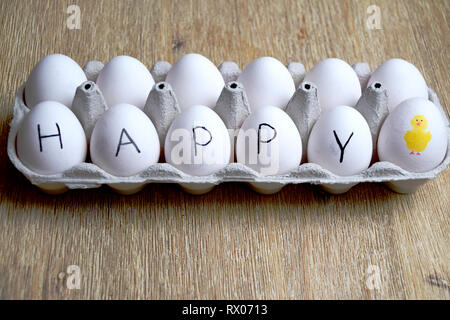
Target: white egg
51	139
125	80
341	142
124	141
196	81
198	142
337	83
402	81
56	78
269	142
267	82
413	136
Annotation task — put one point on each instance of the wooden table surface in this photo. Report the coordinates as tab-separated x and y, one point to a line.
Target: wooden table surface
232	243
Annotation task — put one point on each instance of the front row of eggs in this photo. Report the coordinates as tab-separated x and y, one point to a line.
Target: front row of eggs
124	141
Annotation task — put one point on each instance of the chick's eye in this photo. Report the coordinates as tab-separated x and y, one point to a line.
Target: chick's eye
421	120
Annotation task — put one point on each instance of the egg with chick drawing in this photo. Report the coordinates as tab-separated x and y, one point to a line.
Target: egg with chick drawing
413	136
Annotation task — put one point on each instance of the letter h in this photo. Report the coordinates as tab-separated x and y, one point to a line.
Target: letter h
49	136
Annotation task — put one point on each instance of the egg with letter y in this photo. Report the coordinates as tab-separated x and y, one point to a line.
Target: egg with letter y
413	136
341	142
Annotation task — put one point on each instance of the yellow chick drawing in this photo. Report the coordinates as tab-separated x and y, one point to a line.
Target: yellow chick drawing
417	139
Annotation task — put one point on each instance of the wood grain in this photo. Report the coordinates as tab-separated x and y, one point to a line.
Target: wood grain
231	243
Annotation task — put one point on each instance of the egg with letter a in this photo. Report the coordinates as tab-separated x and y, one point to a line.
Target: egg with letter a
124	141
337	83
267	82
196	81
125	79
269	142
197	142
50	139
55	78
341	142
413	136
402	81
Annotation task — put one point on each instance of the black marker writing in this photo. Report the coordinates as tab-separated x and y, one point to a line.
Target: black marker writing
259	134
195	137
130	141
49	136
340	145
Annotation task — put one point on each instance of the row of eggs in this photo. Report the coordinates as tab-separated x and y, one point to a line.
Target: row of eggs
124	140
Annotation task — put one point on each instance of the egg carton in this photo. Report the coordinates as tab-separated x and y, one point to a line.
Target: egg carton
232	106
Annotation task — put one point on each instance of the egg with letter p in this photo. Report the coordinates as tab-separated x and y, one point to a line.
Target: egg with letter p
413	136
269	142
341	142
197	142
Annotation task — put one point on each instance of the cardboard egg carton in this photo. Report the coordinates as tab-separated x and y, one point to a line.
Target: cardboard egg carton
232	106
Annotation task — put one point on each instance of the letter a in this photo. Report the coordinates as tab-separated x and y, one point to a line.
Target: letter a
130	141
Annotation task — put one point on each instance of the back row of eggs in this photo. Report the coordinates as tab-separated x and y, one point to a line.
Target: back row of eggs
196	80
276	144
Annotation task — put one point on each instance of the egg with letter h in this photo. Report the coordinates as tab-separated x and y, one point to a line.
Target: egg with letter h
413	136
50	139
